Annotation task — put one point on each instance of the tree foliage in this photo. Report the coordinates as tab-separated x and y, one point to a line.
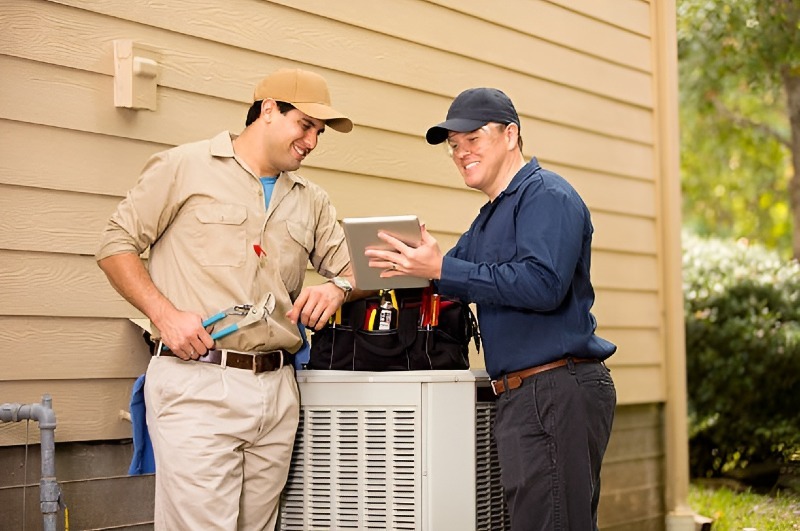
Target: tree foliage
742	310
739	66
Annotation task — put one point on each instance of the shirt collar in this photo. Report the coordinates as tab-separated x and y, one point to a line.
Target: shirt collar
527	170
222	146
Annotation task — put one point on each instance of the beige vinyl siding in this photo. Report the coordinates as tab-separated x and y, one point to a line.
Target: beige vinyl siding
579	72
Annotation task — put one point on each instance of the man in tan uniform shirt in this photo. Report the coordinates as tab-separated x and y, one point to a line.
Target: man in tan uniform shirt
223	436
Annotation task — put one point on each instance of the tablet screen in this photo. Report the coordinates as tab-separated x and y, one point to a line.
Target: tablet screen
363	232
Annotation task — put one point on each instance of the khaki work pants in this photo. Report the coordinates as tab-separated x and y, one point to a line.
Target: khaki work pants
222	439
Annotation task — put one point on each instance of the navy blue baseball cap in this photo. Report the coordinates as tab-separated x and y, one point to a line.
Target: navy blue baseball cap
471	110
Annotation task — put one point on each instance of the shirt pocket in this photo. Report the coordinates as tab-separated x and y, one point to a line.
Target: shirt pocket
221	238
295	251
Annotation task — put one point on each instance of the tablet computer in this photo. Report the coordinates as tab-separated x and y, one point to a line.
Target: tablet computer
363	232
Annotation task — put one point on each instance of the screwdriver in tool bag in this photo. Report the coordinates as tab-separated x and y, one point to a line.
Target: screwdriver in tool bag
435	309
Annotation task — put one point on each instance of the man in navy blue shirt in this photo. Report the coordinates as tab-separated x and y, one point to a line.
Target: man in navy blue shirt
525	263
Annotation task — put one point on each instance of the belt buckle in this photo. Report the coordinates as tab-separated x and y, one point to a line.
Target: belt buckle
494	389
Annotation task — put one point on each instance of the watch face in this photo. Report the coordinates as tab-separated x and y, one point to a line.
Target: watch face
343	283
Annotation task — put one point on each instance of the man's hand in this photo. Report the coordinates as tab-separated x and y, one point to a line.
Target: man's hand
424	261
184	334
316	304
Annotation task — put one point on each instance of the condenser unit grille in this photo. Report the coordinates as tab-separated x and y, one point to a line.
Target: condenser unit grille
354	468
491	513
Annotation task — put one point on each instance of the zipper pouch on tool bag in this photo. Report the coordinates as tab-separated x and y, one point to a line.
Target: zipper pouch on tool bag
411	341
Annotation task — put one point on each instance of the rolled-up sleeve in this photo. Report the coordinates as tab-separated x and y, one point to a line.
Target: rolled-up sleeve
144	213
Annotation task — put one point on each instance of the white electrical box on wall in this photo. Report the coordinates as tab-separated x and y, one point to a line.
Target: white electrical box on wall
394	451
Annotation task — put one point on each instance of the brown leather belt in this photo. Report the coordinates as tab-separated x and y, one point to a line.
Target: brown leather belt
514	379
257	362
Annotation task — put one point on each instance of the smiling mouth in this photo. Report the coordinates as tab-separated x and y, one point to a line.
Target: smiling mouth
301	152
471	165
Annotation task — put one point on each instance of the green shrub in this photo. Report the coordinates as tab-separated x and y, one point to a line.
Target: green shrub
743	355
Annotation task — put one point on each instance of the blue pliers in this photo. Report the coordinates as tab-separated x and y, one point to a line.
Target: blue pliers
252	314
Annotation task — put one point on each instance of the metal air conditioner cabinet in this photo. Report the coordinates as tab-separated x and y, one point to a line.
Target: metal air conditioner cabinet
394	451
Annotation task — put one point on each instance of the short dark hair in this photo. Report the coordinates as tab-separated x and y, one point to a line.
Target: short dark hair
255	110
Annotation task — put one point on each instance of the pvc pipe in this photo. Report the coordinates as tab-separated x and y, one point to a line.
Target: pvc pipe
49	491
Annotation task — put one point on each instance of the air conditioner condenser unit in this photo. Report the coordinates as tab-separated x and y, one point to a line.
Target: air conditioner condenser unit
394	451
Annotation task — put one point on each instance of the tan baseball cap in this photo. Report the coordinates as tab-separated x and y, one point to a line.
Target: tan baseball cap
307	91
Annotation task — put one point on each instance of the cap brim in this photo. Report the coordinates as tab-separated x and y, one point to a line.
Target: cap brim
438	133
329	115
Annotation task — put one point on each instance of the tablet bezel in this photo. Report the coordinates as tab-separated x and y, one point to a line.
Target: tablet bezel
361	233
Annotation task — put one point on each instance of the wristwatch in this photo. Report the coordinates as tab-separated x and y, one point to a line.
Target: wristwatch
344	285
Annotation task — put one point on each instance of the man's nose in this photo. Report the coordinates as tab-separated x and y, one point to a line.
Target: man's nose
311	140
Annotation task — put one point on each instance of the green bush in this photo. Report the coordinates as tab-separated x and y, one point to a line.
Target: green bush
743	355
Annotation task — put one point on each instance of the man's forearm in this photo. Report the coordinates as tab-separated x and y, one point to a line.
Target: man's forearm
128	276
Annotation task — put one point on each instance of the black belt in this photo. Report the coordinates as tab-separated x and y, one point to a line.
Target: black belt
257	362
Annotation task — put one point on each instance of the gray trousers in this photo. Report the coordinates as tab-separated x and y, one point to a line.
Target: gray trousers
551	435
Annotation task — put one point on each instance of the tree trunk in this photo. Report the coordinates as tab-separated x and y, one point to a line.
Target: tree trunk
792	83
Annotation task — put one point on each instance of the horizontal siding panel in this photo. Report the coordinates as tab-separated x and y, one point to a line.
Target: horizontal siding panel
633	15
115	501
312	39
443	28
636	434
610	193
56	34
624	233
627	309
639	385
545	20
648	523
58	285
86	410
581	149
58	348
87	162
635	347
627	473
75	462
636	418
629	505
65	222
633	467
624	271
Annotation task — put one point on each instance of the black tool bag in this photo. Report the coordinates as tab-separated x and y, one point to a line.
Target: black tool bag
411	343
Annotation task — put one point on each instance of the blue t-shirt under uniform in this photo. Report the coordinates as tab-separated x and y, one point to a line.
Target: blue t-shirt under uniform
525	263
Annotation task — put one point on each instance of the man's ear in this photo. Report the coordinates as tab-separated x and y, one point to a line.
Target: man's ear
511	134
268	106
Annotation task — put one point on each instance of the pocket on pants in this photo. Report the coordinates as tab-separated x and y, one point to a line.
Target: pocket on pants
169	381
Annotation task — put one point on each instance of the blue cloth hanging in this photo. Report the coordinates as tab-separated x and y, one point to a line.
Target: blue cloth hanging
143	461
